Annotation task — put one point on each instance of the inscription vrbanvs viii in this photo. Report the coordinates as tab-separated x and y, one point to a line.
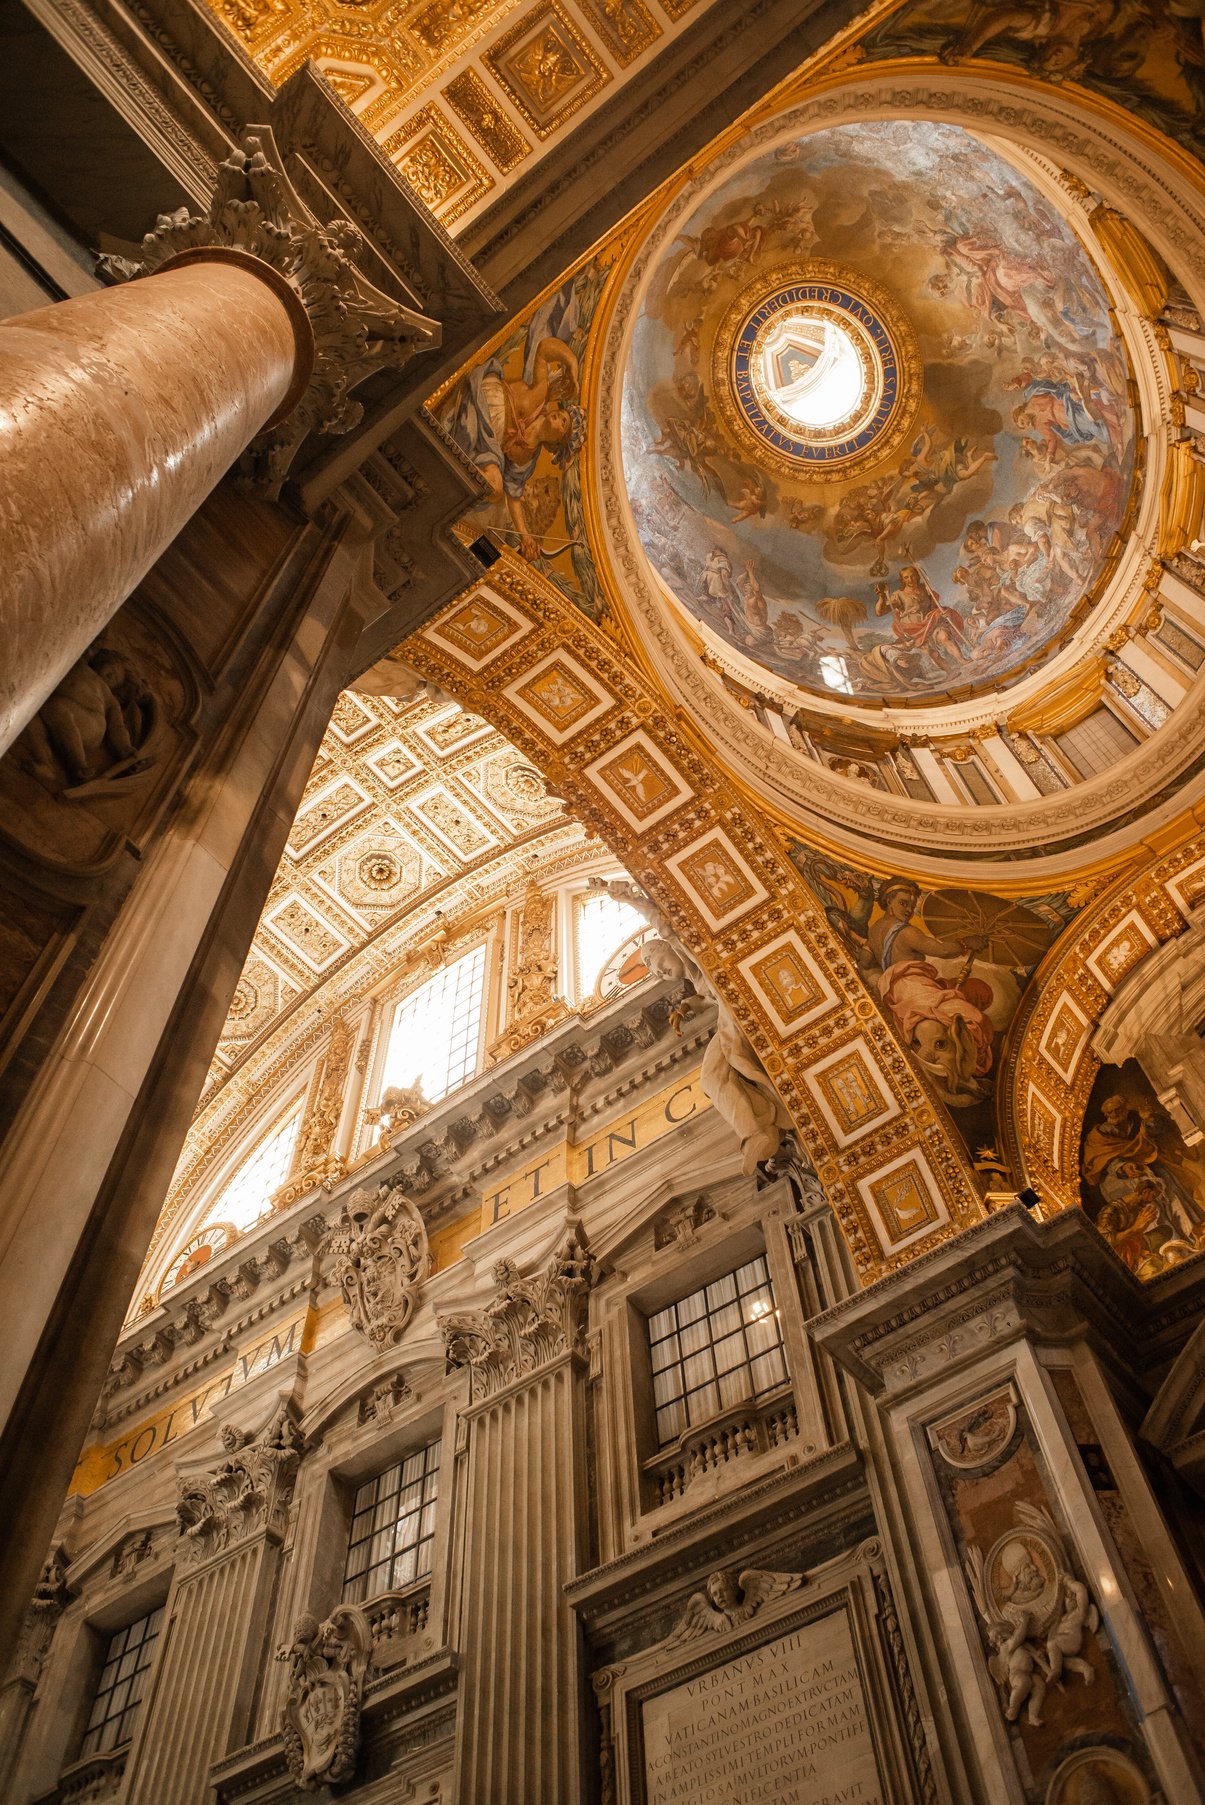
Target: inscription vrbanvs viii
784	1724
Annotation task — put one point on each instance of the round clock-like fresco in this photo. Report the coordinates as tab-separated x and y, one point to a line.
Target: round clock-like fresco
816	370
876	428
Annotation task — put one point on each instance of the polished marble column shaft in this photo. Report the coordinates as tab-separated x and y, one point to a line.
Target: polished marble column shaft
119	412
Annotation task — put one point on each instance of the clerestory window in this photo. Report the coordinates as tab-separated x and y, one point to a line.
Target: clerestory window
436	1035
715	1349
122	1685
393	1527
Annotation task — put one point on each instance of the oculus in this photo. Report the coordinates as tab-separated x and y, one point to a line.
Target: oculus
816	371
876	427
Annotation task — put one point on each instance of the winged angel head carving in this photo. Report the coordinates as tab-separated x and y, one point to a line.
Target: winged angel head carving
729	1598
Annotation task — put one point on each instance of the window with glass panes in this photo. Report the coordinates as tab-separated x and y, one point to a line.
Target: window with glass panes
436	1034
121	1685
715	1349
393	1527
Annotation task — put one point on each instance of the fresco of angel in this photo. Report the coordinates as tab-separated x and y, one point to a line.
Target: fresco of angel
518	417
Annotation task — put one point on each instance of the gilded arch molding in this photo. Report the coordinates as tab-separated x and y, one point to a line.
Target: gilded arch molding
645	781
1049	1069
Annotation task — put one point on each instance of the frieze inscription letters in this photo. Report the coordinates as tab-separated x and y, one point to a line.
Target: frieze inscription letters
783	1724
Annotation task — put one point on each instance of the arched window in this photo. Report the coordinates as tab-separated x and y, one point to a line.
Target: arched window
436	1035
602	924
249	1192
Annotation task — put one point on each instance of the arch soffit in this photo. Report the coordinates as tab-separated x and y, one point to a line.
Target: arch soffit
640	776
1051	1063
1131	168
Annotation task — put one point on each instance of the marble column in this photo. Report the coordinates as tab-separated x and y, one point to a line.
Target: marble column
520	1716
119	412
218	1614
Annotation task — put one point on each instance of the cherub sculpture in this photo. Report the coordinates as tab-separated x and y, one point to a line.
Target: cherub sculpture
1036	1613
729	1599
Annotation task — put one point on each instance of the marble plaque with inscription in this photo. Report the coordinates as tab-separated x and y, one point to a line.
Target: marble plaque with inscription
783	1724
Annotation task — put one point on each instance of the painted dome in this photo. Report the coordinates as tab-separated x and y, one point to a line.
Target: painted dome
876	429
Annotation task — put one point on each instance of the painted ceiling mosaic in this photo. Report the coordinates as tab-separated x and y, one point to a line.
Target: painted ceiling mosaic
876	429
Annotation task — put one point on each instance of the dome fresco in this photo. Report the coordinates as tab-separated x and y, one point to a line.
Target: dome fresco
876	432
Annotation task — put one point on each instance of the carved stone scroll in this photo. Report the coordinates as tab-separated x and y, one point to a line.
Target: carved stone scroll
379	1259
328	1663
530	1322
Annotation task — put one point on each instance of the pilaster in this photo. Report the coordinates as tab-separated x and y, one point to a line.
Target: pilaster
1027	1512
520	1713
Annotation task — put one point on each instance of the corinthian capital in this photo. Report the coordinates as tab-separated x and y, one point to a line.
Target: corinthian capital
530	1322
347	329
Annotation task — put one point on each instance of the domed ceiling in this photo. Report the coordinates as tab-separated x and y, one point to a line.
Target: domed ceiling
876	431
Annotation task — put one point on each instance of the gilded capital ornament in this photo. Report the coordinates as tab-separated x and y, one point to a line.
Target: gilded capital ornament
345	327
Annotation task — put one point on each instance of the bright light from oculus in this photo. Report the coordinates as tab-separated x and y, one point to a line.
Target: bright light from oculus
811	370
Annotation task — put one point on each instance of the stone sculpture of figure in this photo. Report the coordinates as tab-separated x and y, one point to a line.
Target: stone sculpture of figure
728	1599
1078	1614
1036	1613
328	1663
732	1075
399	1107
1014	1665
93	726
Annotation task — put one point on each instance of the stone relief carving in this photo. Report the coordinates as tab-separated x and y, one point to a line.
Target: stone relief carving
399	1108
379	1259
328	1663
529	1323
383	1400
50	1597
315	1163
973	1437
92	733
1036	1614
356	328
91	762
531	987
732	1075
729	1598
680	1227
249	1490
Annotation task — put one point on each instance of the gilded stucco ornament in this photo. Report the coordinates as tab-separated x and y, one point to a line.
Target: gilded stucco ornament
320	1719
346	328
379	1259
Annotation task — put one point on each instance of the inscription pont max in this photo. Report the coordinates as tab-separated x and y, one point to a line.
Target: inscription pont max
784	1724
